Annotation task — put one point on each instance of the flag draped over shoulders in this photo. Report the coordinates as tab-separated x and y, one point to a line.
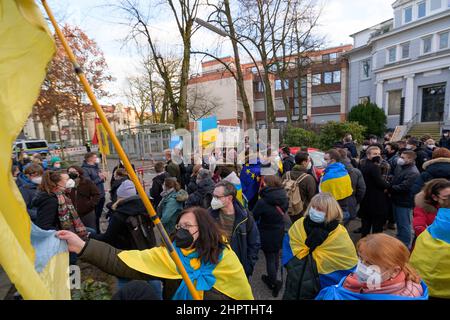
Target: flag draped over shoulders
26	48
431	255
335	257
336	181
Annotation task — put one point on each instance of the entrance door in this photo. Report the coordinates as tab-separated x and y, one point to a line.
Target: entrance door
433	99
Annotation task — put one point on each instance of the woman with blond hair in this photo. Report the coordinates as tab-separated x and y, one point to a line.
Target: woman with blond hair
383	273
317	251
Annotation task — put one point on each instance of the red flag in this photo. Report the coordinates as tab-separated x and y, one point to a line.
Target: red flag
95	138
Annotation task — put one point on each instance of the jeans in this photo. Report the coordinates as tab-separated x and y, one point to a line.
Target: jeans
272	265
372	224
403	218
155	284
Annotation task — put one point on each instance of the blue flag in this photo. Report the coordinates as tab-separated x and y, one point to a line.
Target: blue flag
250	178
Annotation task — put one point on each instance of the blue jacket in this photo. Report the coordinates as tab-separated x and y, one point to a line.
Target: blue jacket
245	240
28	189
91	172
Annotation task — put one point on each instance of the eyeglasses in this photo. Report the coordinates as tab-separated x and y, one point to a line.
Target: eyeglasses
444	198
218	197
184	226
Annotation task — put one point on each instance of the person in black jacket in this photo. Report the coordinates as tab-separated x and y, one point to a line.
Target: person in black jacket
350	145
31	179
373	210
192	181
402	200
422	156
445	140
287	159
120	175
157	183
205	188
119	166
269	212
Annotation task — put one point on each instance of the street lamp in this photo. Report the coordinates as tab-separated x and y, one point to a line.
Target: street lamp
222	33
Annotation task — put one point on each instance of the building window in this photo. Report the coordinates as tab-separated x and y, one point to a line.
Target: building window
392	54
435	5
278	85
427	45
405	50
328	77
303	97
408	14
364	100
443	40
365	68
421	9
394	102
317	79
336	76
259	87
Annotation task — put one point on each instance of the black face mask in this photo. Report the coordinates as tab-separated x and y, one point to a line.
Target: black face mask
376	159
73	175
183	238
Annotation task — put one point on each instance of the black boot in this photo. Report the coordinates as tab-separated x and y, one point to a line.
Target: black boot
276	289
266	280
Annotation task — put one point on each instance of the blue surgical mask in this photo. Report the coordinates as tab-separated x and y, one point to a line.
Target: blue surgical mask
316	215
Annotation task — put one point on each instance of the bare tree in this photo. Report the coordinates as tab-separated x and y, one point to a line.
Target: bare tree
201	104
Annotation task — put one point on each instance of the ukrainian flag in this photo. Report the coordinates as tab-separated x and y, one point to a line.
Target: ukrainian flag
26	47
431	255
336	181
208	131
335	257
233	178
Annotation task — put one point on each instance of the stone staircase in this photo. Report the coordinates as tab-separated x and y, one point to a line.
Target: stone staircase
430	128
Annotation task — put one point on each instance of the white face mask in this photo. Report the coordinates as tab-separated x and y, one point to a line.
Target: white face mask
309	166
365	147
97	160
400	162
316	215
36	180
57	165
431	146
216	204
409	147
371	275
70	184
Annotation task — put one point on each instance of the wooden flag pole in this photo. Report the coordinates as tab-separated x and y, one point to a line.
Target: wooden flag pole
122	155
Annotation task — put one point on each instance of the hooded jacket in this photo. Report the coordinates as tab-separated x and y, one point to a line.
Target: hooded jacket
117	234
170	207
424	214
205	189
433	169
28	189
46	211
269	219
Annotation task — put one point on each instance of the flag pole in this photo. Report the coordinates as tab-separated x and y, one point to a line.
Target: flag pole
122	155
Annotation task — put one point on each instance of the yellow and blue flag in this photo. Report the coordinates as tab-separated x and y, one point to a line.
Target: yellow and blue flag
250	180
335	257
336	181
26	48
233	178
207	131
431	255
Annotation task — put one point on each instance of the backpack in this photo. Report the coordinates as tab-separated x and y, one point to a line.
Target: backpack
140	228
293	192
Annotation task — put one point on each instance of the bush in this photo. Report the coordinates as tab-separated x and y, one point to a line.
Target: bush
298	137
334	132
370	116
92	290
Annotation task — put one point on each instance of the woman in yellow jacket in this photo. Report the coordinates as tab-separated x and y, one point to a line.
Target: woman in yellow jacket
210	263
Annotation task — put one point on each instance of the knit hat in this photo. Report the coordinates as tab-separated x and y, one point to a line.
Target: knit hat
441	153
126	189
55	159
203	174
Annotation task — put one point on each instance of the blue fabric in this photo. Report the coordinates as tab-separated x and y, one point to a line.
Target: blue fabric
440	228
402	217
176	142
203	275
286	254
207	124
338	292
333	171
249	180
46	245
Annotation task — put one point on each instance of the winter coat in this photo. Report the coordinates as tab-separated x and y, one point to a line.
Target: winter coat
422	157
288	163
46	211
400	189
304	281
28	189
84	196
245	240
374	201
120	166
174	170
269	219
358	186
117	234
433	169
170	207
115	184
424	214
203	196
106	258
192	185
91	172
157	188
352	148
444	143
308	186
392	160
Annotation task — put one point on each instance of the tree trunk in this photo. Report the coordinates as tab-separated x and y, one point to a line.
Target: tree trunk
237	62
180	119
47	131
287	107
81	120
61	143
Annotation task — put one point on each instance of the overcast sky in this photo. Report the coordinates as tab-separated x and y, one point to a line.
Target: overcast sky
339	19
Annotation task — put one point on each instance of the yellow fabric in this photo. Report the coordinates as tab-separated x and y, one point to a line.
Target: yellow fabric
431	259
208	137
102	137
337	252
26	47
55	277
340	188
230	276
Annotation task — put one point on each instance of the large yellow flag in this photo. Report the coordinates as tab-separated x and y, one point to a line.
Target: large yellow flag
26	47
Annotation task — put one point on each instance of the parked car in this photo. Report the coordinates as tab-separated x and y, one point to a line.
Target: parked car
317	158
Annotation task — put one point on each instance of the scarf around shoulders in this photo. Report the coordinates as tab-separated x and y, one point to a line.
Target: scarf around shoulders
68	216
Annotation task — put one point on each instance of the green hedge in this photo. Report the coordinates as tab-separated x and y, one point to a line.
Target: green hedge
299	137
334	132
370	116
